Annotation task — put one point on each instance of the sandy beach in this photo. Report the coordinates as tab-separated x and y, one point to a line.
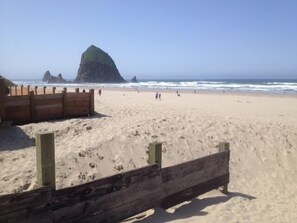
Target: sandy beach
261	130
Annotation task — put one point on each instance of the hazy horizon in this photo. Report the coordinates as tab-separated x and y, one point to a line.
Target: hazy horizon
151	39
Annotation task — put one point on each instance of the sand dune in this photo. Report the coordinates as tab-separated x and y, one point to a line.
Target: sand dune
261	129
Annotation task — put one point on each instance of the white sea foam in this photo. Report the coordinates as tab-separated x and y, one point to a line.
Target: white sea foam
227	85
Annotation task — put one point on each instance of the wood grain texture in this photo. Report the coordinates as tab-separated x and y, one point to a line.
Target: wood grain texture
107	194
194	191
31	206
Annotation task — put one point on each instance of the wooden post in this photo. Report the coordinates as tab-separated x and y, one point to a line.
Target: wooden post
224	146
54	90
2	95
22	89
44	89
36	90
64	103
28	90
155	153
16	90
76	90
32	107
45	159
92	106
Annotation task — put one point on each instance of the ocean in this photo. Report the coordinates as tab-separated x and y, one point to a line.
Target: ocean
229	85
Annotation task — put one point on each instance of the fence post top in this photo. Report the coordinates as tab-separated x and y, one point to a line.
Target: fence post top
39	133
155	143
223	146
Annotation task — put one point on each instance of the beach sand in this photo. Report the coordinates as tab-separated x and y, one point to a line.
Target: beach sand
261	130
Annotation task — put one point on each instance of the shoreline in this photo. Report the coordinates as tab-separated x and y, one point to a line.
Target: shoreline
173	91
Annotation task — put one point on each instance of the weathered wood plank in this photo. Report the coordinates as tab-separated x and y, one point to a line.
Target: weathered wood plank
101	195
14	202
46	116
73	106
22	102
128	202
78	103
21	108
171	173
48	96
190	180
16	98
18	116
49	106
49	102
183	176
78	95
194	191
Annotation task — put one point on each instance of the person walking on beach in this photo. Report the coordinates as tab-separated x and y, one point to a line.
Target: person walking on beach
99	92
157	95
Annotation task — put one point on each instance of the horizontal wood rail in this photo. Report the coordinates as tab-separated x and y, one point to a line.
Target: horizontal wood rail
114	198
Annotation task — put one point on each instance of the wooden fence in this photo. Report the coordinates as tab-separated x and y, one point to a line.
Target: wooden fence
34	107
117	197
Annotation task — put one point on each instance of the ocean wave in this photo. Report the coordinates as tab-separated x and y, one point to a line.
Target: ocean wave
269	86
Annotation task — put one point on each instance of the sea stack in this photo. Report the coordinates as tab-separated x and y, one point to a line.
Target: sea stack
48	78
134	80
97	66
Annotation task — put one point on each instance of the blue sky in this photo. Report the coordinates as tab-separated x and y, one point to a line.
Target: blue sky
152	39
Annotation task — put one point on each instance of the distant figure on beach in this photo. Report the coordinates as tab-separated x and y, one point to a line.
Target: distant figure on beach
177	94
84	91
99	92
157	95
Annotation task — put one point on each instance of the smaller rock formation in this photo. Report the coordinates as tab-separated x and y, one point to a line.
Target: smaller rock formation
48	78
134	80
58	79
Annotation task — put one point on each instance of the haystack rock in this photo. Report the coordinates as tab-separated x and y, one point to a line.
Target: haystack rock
97	66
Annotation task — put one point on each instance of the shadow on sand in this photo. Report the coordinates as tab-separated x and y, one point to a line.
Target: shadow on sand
14	138
191	209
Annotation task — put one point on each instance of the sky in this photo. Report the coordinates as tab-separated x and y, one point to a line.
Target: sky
152	39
